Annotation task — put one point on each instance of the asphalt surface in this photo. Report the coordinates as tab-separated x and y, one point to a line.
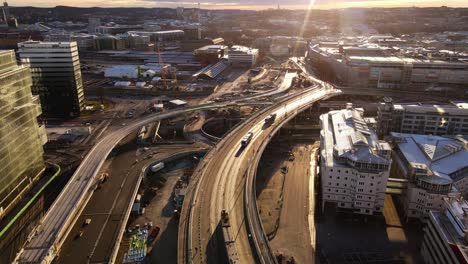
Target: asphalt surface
108	205
106	209
222	184
51	233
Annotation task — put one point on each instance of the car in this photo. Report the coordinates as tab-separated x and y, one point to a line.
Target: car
79	234
87	222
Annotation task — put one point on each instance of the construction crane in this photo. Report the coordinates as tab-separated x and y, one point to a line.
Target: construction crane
161	69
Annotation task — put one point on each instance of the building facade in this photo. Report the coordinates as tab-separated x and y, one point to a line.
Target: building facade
242	56
21	138
446	233
56	74
436	168
422	118
373	66
354	164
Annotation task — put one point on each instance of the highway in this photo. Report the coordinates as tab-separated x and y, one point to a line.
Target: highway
221	186
45	241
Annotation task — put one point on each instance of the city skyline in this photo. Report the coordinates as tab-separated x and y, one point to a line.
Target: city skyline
246	4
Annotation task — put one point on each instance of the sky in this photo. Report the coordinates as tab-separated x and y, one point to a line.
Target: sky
242	4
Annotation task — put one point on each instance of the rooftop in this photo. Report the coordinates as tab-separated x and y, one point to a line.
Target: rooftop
443	156
452	224
347	136
456	108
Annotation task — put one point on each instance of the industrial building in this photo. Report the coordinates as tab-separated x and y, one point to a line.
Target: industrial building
446	233
210	54
242	56
422	118
373	66
56	74
354	164
435	168
21	138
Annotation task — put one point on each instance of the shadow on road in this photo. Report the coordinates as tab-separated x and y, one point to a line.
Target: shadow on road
215	250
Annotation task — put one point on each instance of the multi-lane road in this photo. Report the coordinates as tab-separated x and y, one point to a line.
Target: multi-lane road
221	186
46	240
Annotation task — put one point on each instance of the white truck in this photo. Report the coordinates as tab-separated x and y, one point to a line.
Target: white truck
157	167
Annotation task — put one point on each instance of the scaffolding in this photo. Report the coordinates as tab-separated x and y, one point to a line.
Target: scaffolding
21	137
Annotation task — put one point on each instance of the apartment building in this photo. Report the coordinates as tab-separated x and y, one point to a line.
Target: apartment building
422	118
21	138
354	164
446	233
56	74
435	167
242	56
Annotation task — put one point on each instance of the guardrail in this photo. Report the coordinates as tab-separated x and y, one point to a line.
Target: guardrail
144	171
258	239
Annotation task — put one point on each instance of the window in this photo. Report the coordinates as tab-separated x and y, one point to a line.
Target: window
370	191
367	210
337	184
330	177
345	185
338	177
371	184
346	178
346	171
336	190
339	171
329	189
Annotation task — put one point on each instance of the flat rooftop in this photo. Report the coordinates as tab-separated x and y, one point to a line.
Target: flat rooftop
456	108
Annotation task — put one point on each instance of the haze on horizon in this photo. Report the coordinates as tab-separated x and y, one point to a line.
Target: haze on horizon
244	4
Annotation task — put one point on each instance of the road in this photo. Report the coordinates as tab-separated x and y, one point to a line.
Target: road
45	241
108	205
221	186
47	238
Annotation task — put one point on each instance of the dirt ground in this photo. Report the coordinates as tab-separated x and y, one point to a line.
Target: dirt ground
284	201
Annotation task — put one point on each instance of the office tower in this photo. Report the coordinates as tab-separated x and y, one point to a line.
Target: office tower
93	23
21	138
56	74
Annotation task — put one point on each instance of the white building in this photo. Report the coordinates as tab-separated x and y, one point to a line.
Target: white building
435	167
422	118
354	164
56	73
242	56
446	233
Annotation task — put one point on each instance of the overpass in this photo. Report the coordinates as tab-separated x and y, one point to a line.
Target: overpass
45	241
219	183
